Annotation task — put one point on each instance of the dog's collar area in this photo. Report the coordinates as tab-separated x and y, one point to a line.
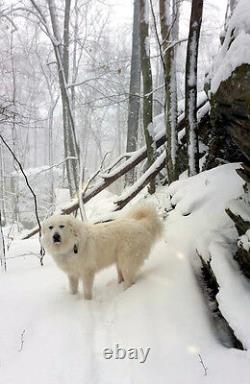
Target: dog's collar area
75	249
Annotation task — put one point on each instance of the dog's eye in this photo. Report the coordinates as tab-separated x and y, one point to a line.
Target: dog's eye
61	226
51	227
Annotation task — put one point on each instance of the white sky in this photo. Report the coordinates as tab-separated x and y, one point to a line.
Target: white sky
122	10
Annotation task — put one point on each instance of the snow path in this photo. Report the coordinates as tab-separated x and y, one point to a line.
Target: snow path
65	336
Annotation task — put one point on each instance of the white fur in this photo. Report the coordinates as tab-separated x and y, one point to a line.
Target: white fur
125	242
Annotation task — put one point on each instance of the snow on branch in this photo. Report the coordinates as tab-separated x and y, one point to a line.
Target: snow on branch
151	172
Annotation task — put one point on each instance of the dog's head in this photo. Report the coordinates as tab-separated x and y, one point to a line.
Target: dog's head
60	234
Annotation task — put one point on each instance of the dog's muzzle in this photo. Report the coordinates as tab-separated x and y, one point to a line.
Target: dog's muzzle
56	238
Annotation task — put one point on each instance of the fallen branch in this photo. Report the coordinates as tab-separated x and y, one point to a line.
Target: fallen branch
151	172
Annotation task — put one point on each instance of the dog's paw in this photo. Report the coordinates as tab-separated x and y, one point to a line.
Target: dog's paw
73	292
87	296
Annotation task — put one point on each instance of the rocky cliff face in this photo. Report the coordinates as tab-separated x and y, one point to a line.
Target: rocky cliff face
231	110
230	91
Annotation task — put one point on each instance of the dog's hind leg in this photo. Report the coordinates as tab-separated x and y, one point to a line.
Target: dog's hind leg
88	279
73	284
120	275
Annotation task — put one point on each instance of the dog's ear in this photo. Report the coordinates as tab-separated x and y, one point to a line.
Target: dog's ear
74	229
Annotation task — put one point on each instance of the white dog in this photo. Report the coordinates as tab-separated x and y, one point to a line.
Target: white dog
81	249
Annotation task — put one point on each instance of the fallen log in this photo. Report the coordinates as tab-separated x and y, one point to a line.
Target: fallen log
131	192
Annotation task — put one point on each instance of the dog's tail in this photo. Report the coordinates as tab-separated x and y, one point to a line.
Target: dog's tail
148	214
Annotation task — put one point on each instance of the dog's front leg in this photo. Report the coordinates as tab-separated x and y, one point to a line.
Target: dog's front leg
119	274
88	280
73	284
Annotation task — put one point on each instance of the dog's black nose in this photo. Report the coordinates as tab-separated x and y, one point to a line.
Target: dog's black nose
56	238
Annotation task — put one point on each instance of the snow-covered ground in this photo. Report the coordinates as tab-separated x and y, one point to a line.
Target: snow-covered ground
48	336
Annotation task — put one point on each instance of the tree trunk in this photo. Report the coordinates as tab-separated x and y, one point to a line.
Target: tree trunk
169	31
14	178
62	58
191	86
134	90
147	86
2	185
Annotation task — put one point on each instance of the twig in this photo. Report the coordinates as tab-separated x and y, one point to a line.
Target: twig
203	365
174	43
81	203
57	165
125	156
82	192
3	255
22	341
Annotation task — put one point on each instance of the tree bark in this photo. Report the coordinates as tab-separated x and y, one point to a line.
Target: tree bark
169	31
191	86
134	90
2	185
147	86
62	57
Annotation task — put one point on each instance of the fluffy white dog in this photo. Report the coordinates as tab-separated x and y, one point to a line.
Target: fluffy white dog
81	249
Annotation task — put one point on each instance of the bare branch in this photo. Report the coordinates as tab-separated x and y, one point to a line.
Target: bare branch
57	165
22	341
26	180
203	365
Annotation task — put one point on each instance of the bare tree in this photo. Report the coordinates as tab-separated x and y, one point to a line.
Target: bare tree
191	86
2	245
62	56
2	185
169	19
134	91
147	86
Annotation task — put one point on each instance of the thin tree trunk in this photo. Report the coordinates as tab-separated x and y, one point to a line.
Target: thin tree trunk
62	56
191	86
147	86
2	185
14	178
169	17
134	89
2	245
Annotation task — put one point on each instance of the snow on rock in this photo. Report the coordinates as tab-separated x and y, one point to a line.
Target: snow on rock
233	297
241	208
235	49
244	241
199	215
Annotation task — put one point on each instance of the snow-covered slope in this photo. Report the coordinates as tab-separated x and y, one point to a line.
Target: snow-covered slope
48	336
